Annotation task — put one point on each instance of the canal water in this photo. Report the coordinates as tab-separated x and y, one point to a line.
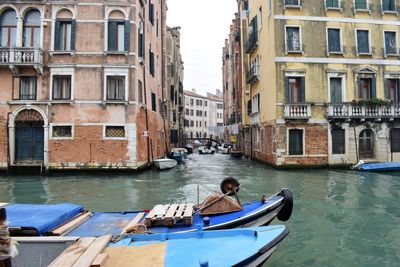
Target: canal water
340	218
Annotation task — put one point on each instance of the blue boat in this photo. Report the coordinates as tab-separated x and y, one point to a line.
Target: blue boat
40	220
239	247
377	167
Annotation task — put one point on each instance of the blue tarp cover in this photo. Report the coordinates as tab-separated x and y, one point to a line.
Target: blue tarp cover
42	218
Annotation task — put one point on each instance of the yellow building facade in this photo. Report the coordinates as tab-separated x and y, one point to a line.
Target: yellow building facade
320	81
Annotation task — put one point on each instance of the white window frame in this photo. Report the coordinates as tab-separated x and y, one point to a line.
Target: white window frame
269	7
116	72
115	138
304	142
339	8
362	10
369	42
340	40
301	51
285	6
62	124
384	43
337	75
64	72
389	11
255	109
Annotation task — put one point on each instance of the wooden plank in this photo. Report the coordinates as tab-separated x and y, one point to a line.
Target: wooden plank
86	259
133	222
188	211
171	211
72	254
143	256
3	204
100	260
67	227
180	211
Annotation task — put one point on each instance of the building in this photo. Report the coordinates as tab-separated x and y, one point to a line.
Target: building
202	113
175	71
321	81
82	84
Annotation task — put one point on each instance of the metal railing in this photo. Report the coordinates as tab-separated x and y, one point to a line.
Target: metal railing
298	111
252	41
23	56
252	76
350	110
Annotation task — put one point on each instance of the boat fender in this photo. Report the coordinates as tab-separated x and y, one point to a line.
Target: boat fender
286	211
229	185
203	262
206	221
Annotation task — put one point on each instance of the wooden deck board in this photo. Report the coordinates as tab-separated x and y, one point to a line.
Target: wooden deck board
86	259
67	227
72	254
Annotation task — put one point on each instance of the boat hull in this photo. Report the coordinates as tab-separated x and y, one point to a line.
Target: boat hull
165	164
378	167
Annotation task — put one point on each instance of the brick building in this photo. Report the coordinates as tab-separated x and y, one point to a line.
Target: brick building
82	83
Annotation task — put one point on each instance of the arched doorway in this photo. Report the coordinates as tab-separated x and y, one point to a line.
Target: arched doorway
29	137
366	144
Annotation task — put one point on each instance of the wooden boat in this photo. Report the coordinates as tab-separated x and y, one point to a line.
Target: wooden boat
74	220
251	247
204	150
377	166
165	164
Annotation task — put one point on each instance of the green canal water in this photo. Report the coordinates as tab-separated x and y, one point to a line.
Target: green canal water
340	218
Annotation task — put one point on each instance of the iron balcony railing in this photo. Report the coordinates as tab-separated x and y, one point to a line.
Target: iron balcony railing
21	56
353	111
252	41
300	111
252	76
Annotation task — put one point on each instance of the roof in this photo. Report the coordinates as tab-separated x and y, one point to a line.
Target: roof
209	96
193	94
214	97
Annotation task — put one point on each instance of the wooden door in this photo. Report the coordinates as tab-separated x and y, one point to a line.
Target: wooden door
29	143
366	144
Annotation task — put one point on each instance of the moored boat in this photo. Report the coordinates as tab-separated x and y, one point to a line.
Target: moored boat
165	164
189	148
237	154
178	154
377	166
205	150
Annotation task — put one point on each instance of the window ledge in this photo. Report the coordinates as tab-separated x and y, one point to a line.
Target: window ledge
390	12
295	52
61	138
335	53
115	102
364	54
334	9
52	53
362	11
292	7
391	55
115	138
27	102
123	53
71	102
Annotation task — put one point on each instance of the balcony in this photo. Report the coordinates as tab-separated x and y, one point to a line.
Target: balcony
252	42
300	111
16	57
354	111
252	76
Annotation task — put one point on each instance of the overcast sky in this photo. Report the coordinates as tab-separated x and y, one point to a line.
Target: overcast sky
205	26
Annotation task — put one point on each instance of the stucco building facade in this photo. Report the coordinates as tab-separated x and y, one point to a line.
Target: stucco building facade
82	84
321	81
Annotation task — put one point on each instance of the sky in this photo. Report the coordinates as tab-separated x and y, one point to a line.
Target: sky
204	28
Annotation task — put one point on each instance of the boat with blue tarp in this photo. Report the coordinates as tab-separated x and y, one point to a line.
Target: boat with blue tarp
377	166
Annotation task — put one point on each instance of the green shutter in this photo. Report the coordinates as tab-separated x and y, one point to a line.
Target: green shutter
303	89
287	90
73	33
57	30
127	35
387	95
112	35
373	88
359	87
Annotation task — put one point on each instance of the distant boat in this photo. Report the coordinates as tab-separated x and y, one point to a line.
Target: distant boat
165	164
237	154
377	166
178	154
189	148
203	150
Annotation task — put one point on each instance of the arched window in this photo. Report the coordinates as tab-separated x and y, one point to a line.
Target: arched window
32	29
64	32
118	32
8	28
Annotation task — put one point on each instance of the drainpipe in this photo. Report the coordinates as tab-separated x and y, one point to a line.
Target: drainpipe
8	144
145	89
355	142
163	76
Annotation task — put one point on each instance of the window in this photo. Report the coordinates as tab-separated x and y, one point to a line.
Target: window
191	102
62	131
249	107
365	88
336	90
363	45
187	111
151	13
293	39
191	123
118	35
338	141
205	124
390	43
8	28
191	112
115	132
295	142
293	3
205	103
220	106
205	113
392	90
62	87
395	140
140	92
334	4
389	5
197	124
27	90
334	41
361	5
295	90
151	62
32	29
64	35
153	102
255	104
115	87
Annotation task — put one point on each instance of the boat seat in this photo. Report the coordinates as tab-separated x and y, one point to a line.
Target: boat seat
170	215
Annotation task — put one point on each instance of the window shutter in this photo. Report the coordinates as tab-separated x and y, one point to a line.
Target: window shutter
387	95
57	30
303	89
373	88
73	32
127	35
152	63
140	45
287	90
258	104
112	36
359	87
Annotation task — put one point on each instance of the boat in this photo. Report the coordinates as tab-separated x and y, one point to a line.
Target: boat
377	166
178	154
237	154
189	148
226	148
251	247
165	164
74	220
204	150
